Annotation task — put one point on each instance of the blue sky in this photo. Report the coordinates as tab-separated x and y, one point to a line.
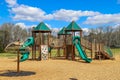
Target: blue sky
59	13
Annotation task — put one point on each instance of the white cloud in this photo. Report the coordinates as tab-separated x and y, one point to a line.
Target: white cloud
103	19
29	13
23	25
116	26
11	3
55	31
48	25
70	15
85	29
24	12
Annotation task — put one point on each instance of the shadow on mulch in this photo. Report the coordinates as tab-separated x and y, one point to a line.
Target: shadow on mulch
73	79
63	58
10	73
58	58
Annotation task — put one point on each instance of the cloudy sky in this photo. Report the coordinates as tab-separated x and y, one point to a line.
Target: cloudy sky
59	13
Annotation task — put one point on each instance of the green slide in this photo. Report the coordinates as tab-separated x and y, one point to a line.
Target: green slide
24	53
109	52
25	56
80	50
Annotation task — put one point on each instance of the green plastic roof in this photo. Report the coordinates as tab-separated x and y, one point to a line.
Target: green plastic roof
73	26
62	31
42	27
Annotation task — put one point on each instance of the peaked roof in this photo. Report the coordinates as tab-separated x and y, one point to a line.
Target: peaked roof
41	27
73	26
62	31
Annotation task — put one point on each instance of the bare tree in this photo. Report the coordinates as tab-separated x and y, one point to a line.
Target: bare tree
15	32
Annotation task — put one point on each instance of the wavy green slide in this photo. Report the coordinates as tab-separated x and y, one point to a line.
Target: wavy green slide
24	53
108	50
80	50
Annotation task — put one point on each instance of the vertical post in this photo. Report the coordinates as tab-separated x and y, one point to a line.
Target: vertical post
48	39
49	43
99	53
80	36
58	51
18	59
65	45
33	47
91	50
39	58
73	53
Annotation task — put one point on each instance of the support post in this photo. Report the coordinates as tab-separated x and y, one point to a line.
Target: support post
39	58
91	50
18	61
65	46
73	51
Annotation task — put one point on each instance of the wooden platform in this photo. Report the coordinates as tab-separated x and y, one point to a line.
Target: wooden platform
102	55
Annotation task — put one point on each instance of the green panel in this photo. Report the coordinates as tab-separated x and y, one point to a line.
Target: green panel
62	31
42	27
73	26
80	50
25	54
109	52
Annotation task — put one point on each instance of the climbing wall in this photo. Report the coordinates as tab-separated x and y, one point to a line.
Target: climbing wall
44	52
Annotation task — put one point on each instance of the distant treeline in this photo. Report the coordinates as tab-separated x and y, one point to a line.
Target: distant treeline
108	35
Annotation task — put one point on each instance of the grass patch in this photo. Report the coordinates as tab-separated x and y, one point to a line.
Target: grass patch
9	55
115	51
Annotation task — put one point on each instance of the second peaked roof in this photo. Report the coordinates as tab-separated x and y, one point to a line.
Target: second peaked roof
62	31
42	27
73	26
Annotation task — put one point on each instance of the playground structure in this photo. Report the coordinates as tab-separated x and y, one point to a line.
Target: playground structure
39	33
70	47
102	52
69	40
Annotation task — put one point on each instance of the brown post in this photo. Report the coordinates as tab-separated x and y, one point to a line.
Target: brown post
99	52
35	51
65	46
39	58
18	61
49	43
73	51
80	36
58	51
50	51
91	50
33	47
48	40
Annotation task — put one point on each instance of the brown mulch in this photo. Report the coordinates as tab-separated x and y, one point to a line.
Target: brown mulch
58	69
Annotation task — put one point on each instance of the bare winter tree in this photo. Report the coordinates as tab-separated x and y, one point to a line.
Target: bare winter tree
15	32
